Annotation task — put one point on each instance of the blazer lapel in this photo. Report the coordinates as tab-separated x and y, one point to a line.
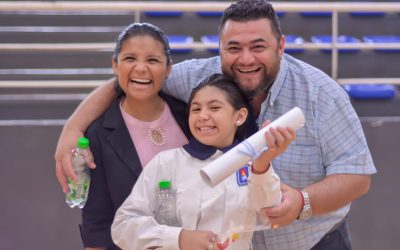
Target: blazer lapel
120	139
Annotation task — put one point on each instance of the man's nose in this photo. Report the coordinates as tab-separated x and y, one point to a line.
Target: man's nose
246	57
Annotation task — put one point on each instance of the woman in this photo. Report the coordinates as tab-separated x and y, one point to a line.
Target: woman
217	110
137	126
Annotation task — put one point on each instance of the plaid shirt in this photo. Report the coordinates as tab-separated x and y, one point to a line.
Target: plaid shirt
331	142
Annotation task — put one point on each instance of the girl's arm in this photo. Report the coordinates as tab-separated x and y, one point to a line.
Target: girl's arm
134	225
264	188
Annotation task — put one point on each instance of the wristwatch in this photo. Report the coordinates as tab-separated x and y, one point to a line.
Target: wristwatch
306	211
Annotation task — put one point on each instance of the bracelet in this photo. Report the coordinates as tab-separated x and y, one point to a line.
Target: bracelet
302	202
259	172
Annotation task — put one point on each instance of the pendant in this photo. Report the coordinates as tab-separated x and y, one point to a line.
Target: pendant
157	136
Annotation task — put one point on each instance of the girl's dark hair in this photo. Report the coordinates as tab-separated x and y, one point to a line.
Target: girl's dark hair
140	29
233	93
250	10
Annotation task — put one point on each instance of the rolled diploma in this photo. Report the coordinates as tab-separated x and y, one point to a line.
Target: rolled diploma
235	158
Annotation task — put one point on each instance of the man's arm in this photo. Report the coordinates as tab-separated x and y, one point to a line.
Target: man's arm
327	195
87	111
335	191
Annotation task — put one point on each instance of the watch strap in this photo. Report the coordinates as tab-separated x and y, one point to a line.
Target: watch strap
306	211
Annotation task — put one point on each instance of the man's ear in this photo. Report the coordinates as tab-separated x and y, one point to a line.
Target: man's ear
281	46
241	116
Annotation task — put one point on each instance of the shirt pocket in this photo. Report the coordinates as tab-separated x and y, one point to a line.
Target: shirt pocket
188	207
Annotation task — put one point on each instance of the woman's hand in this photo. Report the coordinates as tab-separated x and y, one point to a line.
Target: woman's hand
66	143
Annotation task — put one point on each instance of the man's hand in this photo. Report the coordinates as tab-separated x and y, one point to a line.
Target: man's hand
66	143
197	240
289	209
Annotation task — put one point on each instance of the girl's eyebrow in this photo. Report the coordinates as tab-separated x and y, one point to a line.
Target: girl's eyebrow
209	102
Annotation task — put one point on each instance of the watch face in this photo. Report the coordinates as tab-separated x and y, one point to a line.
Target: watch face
306	213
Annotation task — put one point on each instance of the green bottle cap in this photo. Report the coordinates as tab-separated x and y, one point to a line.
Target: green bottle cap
83	143
164	184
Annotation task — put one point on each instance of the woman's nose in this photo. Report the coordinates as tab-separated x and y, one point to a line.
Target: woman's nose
140	67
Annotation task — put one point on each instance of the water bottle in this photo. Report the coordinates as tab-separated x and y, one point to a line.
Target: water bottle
166	205
78	190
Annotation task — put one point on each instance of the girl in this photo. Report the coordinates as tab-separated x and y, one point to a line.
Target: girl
137	126
217	110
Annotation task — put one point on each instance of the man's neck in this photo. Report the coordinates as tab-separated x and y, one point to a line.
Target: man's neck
257	101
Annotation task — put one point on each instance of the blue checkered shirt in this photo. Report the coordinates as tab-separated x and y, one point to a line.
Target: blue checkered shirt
331	142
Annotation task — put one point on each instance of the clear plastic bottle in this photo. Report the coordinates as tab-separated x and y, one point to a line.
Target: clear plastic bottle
166	205
78	190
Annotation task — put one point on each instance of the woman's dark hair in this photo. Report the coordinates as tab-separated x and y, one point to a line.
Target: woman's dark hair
140	29
250	10
233	93
143	29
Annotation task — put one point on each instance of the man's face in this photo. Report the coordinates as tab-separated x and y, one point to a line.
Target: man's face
251	54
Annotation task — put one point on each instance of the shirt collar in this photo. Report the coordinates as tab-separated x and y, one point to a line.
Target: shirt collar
202	152
278	83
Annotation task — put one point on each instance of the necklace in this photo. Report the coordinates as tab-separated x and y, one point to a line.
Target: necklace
157	136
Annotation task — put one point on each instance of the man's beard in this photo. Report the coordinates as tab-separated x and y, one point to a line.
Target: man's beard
251	93
264	85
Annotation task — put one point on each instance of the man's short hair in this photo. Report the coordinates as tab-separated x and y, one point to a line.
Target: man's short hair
250	10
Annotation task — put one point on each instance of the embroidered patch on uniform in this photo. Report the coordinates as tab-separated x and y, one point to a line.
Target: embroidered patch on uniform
242	176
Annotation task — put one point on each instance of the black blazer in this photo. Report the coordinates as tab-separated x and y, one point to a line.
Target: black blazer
117	169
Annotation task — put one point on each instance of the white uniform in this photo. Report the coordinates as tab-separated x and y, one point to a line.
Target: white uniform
199	206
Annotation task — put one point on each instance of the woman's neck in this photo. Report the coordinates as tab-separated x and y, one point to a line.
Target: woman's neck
144	110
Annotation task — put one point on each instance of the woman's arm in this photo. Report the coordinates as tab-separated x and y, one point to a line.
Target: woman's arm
88	111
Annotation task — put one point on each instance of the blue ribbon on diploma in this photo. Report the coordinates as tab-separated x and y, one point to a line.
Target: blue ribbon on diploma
248	149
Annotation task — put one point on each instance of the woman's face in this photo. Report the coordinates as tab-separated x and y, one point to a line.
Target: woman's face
141	67
212	119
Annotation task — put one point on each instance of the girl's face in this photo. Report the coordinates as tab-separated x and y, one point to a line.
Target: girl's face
141	67
212	119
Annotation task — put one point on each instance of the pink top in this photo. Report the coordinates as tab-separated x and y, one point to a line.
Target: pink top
150	138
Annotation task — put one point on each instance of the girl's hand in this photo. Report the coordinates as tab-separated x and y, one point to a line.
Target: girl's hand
278	140
197	240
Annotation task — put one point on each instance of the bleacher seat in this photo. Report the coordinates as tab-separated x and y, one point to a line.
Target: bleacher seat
367	14
220	13
320	39
211	39
163	13
280	14
382	39
294	39
181	40
210	13
370	91
315	14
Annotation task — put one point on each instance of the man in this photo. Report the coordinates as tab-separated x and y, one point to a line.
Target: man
328	166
